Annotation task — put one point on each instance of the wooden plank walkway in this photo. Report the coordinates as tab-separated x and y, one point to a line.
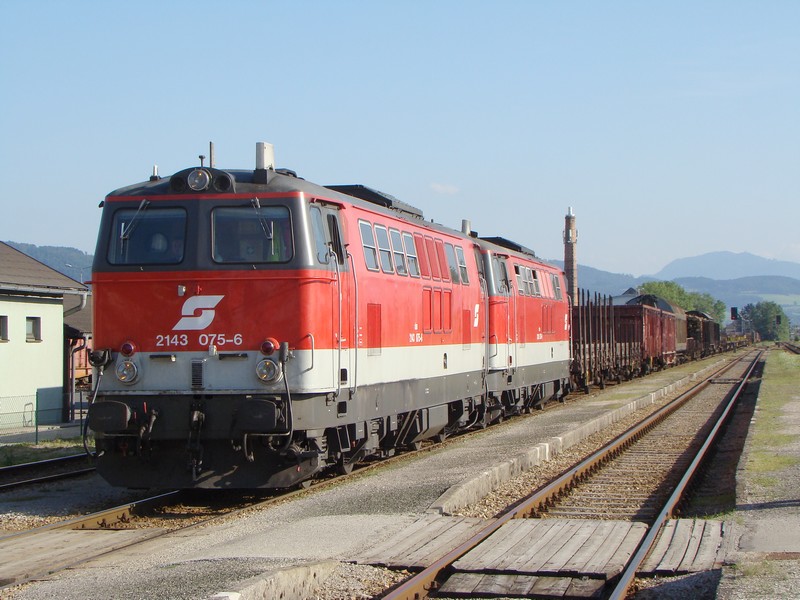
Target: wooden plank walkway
556	547
685	546
426	540
547	558
48	551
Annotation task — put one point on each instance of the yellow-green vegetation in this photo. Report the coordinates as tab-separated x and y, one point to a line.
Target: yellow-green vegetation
778	388
762	568
17	454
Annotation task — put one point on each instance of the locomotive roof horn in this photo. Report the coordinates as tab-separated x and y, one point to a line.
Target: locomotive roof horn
265	159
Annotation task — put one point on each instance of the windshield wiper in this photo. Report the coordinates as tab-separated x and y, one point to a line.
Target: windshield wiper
266	226
126	232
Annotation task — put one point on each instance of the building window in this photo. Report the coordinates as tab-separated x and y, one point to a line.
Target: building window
3	328
33	329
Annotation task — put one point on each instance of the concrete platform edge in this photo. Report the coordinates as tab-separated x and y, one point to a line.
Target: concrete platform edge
292	582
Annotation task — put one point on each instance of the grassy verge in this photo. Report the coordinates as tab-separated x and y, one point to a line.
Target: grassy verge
17	454
768	442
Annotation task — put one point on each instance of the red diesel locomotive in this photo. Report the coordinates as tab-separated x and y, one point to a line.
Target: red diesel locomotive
253	329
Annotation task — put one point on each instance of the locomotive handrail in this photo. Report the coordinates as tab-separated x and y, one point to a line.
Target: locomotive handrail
311	335
355	324
486	304
338	375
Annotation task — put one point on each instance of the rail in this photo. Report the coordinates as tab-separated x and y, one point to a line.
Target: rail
423	582
626	579
25	474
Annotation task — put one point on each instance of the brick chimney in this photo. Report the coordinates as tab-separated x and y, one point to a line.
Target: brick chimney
570	257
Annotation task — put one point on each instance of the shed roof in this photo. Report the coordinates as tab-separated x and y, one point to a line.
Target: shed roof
22	273
82	319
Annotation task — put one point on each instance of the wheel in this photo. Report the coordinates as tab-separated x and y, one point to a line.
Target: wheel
343	467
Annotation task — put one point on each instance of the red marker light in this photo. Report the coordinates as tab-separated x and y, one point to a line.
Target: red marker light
128	348
268	346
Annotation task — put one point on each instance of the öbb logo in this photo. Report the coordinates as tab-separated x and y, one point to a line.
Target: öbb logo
191	321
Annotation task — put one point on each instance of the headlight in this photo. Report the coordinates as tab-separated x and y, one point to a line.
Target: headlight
267	371
127	371
199	179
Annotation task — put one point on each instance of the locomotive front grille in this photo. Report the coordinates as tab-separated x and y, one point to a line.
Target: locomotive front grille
197	374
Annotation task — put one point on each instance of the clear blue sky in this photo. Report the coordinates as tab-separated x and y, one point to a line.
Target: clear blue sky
672	128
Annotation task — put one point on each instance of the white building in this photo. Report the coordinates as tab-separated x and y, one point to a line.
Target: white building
32	356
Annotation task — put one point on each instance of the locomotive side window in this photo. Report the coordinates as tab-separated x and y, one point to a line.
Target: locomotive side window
556	286
442	260
368	242
256	234
336	238
462	265
479	263
384	249
534	283
521	287
451	263
147	237
411	255
397	252
433	261
424	266
319	235
501	281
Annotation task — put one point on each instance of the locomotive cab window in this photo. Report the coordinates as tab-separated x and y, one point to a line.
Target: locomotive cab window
326	236
501	281
147	236
252	234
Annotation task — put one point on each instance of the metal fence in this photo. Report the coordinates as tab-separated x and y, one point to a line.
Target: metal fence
22	420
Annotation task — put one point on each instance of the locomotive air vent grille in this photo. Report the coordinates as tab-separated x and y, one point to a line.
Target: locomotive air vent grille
197	374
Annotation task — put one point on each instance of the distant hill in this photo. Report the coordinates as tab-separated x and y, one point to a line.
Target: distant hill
727	265
784	291
71	262
735	291
603	282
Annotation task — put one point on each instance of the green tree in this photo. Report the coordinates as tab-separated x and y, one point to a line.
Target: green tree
768	319
674	293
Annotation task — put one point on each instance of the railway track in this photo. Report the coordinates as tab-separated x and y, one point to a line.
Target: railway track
44	471
455	574
45	550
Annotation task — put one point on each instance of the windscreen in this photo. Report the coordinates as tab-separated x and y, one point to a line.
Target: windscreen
147	236
251	234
